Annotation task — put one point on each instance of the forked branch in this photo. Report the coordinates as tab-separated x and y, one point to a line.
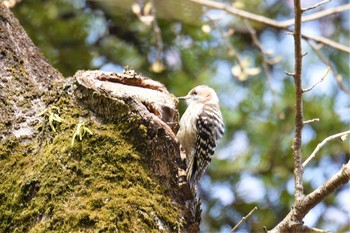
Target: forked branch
320	145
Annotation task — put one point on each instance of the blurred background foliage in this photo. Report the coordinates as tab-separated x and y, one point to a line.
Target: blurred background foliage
253	165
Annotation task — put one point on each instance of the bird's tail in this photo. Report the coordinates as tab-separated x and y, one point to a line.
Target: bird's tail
191	171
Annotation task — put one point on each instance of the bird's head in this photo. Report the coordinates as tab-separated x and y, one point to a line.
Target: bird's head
200	94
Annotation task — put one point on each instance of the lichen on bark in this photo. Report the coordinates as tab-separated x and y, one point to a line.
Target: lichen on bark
102	183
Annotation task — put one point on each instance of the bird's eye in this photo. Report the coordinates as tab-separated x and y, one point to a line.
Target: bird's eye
194	93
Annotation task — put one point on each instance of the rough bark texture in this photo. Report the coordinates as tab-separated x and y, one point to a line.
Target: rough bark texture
123	177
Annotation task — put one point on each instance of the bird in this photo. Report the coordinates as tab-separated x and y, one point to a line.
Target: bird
201	126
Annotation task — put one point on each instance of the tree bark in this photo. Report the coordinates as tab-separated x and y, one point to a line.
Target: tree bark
96	152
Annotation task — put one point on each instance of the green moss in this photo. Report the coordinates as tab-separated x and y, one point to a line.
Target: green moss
101	184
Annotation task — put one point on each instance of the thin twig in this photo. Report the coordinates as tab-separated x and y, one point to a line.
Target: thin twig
323	77
316	5
257	43
243	219
311	121
291	74
231	50
328	63
297	141
320	145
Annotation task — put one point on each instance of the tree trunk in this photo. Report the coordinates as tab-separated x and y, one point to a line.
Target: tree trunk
96	152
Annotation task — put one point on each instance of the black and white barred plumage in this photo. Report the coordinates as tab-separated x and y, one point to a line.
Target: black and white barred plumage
201	126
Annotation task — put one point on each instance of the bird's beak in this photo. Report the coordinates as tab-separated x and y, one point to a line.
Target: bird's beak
182	97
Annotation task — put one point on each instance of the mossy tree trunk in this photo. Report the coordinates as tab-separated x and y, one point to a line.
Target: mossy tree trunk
75	157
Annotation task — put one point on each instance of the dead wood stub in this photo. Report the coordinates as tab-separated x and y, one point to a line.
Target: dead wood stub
107	93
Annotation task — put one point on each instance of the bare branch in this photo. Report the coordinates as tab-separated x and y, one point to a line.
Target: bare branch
273	23
157	65
316	5
157	30
241	13
328	63
299	122
318	15
243	219
323	77
328	42
340	178
257	43
311	121
293	221
320	145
